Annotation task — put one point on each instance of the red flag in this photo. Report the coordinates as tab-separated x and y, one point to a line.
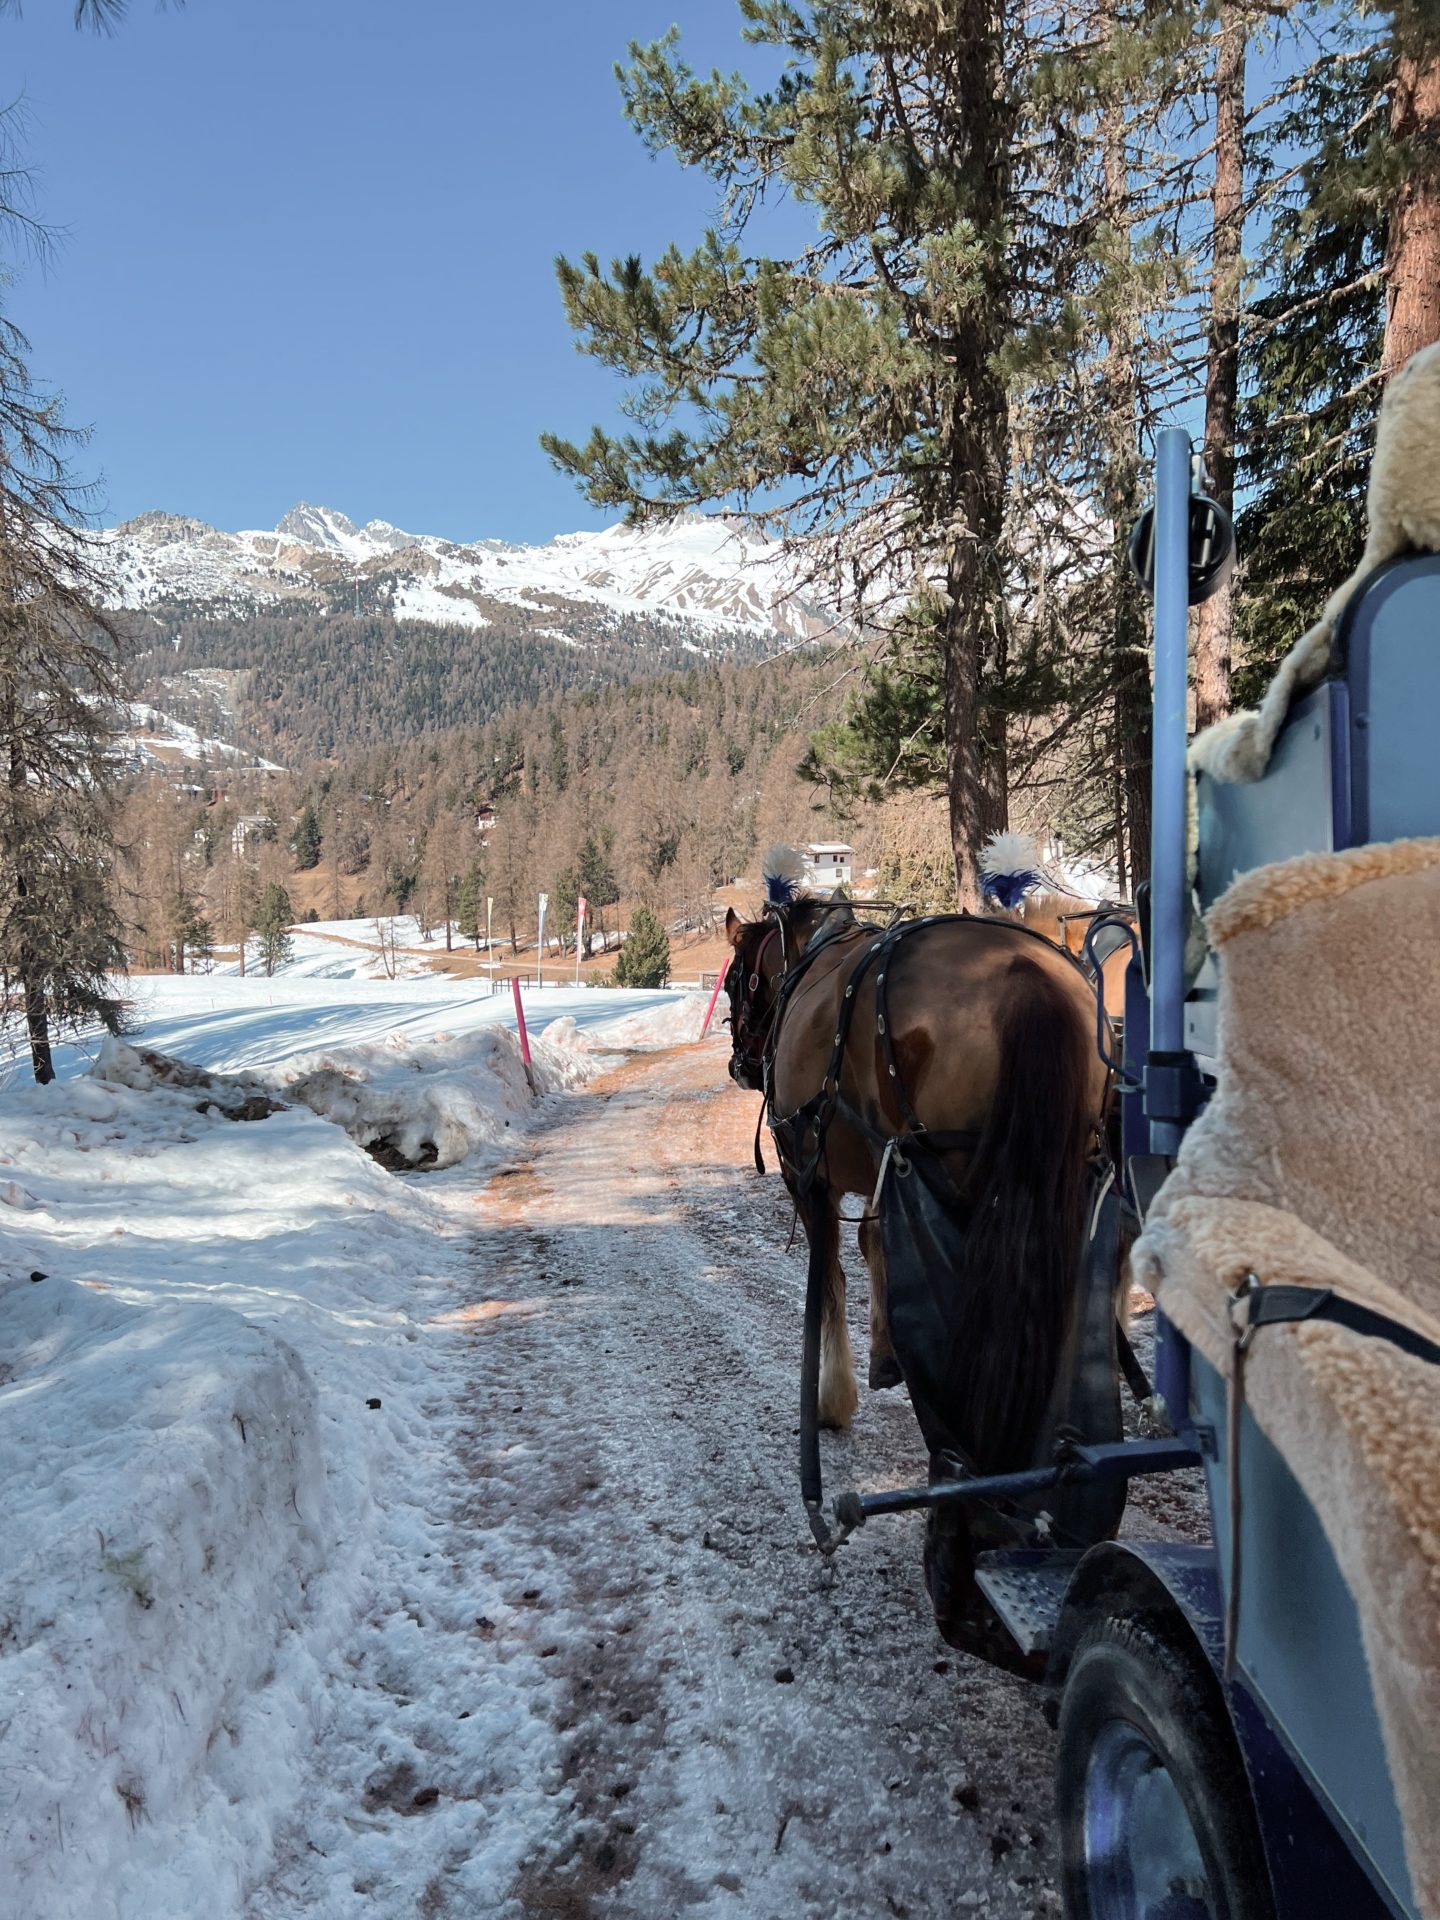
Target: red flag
584	909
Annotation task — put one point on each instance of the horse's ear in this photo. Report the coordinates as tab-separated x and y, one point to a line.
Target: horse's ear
734	928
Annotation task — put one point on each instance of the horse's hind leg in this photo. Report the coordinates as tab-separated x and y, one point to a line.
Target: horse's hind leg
839	1396
884	1367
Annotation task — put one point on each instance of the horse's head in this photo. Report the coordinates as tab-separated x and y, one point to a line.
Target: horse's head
765	950
753	986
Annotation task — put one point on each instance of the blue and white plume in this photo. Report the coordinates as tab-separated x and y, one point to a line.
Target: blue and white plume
784	875
1010	867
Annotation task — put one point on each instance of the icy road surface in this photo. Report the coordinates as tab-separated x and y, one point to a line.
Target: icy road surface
714	1722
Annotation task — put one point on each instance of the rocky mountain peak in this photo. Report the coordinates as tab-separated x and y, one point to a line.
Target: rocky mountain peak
321	527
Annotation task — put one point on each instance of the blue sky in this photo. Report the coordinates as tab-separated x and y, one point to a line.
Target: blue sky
308	246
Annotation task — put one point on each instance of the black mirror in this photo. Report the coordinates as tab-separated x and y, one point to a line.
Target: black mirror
1212	549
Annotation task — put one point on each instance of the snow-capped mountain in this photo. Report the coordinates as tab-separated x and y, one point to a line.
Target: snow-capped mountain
702	572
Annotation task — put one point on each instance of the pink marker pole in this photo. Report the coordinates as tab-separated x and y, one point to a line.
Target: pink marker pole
709	1011
524	1037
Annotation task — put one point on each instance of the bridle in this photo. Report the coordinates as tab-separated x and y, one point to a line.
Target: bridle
751	1029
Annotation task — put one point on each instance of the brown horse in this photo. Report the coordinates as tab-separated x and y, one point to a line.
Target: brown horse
990	1048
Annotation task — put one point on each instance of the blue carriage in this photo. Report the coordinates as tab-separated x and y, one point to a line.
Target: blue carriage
1250	1729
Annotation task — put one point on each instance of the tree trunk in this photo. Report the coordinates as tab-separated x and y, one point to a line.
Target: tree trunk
1134	715
37	1027
974	764
1130	702
1216	617
973	635
1412	253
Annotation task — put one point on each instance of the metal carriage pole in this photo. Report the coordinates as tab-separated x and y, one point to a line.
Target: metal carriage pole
1165	1073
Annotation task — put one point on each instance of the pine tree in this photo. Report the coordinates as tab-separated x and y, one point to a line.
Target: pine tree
272	922
1214	622
60	937
598	882
199	941
470	907
1315	337
644	959
308	842
865	377
564	906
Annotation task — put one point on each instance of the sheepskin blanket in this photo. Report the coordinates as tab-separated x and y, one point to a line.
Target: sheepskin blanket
1316	1164
1403	515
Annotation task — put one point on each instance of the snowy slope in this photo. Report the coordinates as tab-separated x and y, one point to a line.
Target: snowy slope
704	571
147	739
231	1362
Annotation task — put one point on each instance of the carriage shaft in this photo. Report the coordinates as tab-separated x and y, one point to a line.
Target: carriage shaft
1119	1460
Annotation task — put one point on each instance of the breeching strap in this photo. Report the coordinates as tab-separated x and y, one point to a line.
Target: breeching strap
811	1489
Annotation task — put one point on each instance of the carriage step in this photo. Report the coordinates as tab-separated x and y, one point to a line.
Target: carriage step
1027	1590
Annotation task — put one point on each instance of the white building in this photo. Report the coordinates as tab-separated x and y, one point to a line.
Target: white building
247	827
829	864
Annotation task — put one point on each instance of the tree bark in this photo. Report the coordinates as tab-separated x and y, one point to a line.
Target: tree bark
37	1027
1131	713
1215	619
973	634
1412	253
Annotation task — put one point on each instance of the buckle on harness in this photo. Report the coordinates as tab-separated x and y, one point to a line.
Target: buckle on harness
1238	1306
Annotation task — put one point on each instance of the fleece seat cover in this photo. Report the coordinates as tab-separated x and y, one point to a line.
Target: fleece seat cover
1316	1164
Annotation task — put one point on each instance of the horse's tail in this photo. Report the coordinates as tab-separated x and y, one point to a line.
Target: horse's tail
1027	1188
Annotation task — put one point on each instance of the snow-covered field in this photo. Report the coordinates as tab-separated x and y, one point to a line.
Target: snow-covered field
228	1394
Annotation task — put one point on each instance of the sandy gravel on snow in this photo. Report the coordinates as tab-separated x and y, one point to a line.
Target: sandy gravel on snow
745	1731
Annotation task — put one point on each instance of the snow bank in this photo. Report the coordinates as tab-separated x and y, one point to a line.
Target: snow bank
167	1502
230	1411
166	1511
433	1103
675	1022
228	1418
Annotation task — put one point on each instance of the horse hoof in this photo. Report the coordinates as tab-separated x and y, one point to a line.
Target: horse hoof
884	1372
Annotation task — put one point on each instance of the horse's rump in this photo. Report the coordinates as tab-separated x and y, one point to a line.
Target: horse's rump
982	1263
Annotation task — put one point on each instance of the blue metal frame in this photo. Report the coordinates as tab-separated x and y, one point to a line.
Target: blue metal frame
1316	1865
1169	1067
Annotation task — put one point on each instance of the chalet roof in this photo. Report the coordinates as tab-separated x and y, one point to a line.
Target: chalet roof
820	847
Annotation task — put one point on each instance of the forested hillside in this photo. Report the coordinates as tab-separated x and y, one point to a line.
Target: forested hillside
303	685
656	791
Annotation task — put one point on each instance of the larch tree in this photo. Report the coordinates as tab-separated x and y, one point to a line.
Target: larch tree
61	948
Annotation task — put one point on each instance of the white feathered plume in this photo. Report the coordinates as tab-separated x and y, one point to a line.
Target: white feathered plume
783	872
1010	867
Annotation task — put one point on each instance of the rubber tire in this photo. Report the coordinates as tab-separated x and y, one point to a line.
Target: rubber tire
1149	1672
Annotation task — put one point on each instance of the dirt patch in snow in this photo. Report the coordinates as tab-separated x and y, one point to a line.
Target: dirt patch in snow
744	1730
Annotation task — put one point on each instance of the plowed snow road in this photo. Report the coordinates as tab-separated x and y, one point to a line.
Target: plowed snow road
740	1730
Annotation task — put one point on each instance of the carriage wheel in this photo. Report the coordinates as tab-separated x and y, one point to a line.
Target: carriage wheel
1156	1817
